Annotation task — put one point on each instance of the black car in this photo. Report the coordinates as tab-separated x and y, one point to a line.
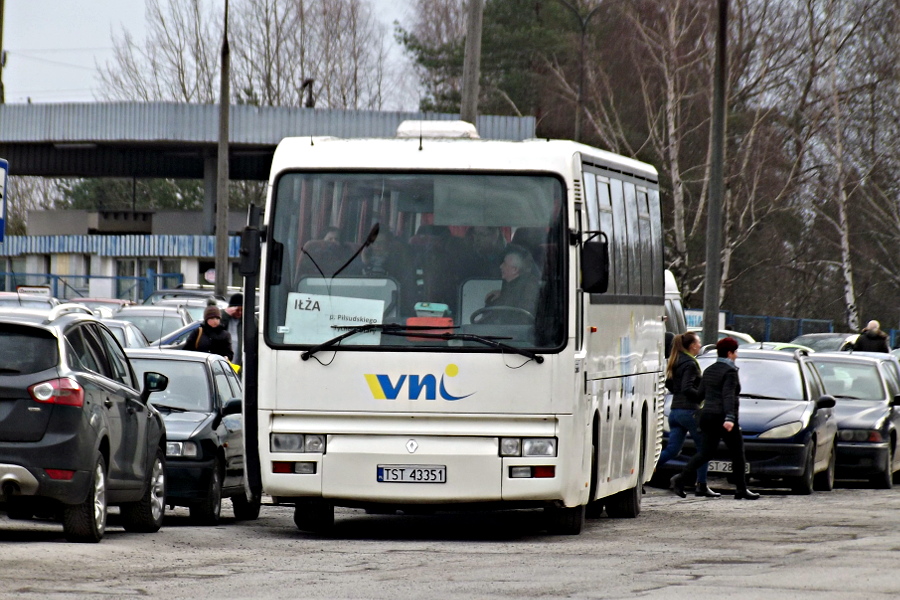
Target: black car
867	389
204	448
786	419
76	435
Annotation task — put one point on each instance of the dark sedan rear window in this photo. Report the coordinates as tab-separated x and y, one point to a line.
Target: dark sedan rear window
26	349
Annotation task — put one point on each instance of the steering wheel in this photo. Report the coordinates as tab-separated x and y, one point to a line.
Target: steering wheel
502	315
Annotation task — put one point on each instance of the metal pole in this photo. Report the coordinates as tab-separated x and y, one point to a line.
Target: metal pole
716	186
2	52
471	65
222	270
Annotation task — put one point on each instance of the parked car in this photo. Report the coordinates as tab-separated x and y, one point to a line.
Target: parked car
201	292
204	448
177	339
787	421
741	338
17	300
76	435
113	304
826	342
866	388
127	333
194	306
780	346
155	321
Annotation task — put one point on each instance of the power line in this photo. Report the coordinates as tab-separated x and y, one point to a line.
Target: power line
51	62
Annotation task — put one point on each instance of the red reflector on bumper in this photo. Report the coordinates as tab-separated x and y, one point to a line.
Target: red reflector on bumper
544	471
63	474
282	467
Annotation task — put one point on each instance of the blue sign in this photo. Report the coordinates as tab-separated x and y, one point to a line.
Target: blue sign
4	181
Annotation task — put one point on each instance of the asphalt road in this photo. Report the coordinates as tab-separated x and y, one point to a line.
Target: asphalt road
831	545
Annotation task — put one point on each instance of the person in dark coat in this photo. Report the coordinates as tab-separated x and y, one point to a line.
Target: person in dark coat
683	380
232	322
721	388
520	285
211	337
872	339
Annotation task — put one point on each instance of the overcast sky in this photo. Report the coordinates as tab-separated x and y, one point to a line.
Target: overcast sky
53	46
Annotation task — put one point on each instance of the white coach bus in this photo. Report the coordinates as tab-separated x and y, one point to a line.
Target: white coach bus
449	323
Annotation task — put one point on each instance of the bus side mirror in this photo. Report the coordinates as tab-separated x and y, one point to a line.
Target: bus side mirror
595	266
250	251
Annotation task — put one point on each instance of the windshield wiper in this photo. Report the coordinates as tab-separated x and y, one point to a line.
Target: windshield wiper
169	408
9	371
420	331
847	397
761	397
387	328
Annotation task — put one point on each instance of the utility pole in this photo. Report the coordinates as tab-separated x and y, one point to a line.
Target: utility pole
716	186
2	52
472	63
222	265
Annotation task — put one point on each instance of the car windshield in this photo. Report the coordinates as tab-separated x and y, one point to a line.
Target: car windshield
458	253
26	350
153	326
188	387
851	381
766	378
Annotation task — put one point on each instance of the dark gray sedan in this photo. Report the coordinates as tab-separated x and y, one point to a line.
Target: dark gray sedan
204	427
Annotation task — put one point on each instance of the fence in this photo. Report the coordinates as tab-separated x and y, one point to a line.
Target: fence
778	329
70	287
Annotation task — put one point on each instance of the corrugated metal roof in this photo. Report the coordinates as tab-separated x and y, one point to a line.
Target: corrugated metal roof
201	246
198	123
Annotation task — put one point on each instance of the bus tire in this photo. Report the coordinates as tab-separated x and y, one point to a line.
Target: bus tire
625	504
565	520
314	516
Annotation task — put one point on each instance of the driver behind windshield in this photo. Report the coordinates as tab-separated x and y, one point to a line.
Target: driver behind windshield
520	281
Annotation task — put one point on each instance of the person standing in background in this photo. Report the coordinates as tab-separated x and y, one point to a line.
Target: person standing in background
872	339
210	337
233	323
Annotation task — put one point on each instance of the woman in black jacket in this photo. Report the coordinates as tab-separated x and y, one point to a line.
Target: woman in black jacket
683	380
721	387
210	337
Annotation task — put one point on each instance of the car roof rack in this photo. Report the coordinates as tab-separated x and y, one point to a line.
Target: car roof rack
64	309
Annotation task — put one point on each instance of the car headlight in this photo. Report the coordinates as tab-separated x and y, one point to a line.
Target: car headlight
859	435
183	449
783	431
297	442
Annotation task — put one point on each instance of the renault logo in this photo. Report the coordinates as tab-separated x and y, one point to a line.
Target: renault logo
412	446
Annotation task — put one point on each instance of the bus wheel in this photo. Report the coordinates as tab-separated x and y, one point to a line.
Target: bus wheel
625	504
314	516
566	520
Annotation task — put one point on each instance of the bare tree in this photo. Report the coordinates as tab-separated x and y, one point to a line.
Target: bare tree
25	194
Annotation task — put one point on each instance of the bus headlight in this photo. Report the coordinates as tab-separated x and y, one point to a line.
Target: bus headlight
297	442
510	447
539	447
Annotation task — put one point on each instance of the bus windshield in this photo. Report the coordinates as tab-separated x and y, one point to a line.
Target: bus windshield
453	253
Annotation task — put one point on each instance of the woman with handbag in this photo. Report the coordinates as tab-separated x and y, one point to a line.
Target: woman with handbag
211	336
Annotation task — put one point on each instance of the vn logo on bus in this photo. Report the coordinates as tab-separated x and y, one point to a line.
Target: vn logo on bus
412	387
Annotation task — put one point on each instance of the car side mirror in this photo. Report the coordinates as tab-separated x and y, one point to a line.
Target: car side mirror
825	401
232	407
595	266
896	401
153	382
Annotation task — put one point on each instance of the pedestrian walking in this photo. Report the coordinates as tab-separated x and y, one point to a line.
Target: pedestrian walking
683	379
719	420
210	337
872	339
